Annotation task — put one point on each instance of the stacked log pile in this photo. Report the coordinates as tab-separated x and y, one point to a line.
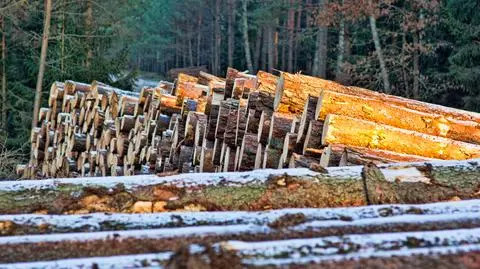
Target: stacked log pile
409	215
242	122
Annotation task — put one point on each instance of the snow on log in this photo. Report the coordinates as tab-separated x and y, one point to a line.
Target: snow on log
333	187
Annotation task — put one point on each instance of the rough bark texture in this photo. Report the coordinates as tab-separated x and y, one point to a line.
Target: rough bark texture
363	156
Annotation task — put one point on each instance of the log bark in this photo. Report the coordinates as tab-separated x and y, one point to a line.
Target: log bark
248	152
280	125
313	136
362	156
350	131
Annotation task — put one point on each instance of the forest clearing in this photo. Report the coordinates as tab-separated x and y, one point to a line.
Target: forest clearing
219	134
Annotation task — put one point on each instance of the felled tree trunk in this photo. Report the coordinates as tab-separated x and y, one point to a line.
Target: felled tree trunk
350	131
257	190
363	156
381	112
311	83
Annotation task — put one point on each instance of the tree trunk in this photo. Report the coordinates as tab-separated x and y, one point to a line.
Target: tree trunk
297	34
291	30
248	57
199	35
258	49
275	43
231	30
190	48
43	58
320	59
89	32
270	49
416	66
218	37
340	49
62	40
264	53
404	65
4	76
284	47
378	49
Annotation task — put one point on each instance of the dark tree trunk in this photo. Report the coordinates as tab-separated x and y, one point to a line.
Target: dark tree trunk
270	49
89	32
258	49
378	49
291	30
4	75
231	30
248	57
43	59
416	66
199	35
297	35
218	37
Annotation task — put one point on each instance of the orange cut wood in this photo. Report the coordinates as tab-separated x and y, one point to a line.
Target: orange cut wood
308	83
382	112
355	132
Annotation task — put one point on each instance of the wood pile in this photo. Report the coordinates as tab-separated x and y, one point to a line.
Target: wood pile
243	122
407	215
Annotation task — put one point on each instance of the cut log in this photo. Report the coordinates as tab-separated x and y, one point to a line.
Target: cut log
229	136
280	125
212	122
308	115
362	156
299	161
248	152
166	87
127	105
223	116
249	83
168	105
447	112
271	158
350	131
241	126
71	87
397	116
313	136
289	146
264	128
291	94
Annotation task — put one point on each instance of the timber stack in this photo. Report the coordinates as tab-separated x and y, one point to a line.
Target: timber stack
243	122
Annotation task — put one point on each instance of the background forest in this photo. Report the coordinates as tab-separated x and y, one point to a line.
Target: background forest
422	49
